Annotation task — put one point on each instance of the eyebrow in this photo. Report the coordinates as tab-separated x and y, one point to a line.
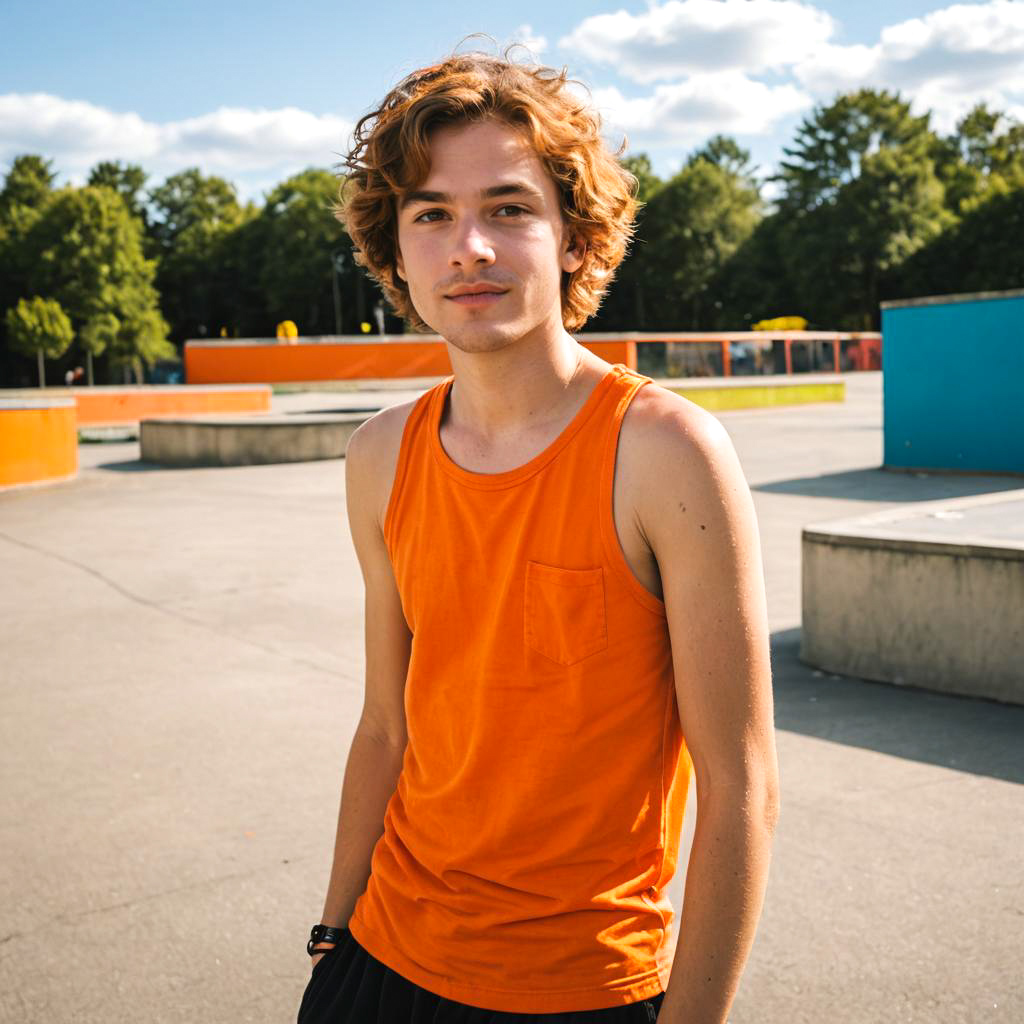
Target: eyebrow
512	188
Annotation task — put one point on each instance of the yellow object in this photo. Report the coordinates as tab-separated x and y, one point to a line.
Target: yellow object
760	396
286	330
364	327
781	323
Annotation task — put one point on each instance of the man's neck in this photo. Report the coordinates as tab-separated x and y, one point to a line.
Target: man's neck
517	388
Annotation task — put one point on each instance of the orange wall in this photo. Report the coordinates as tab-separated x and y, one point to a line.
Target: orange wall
313	361
614	351
37	444
102	407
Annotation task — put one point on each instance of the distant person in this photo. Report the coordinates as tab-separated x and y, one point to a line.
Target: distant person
565	606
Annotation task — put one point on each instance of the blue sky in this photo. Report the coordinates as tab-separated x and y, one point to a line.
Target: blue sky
258	90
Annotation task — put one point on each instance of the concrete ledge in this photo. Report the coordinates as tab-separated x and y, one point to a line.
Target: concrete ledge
38	441
930	595
724	393
246	441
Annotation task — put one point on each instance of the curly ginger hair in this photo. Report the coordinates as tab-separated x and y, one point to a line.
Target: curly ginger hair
390	156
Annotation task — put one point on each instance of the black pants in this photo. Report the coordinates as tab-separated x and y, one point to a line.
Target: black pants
349	986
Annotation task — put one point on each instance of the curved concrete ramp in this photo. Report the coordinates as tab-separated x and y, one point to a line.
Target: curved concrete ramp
247	440
929	595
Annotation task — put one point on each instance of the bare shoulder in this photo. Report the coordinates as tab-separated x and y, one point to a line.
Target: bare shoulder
662	416
671	447
372	457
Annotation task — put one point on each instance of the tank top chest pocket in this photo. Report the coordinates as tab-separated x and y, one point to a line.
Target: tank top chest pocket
564	612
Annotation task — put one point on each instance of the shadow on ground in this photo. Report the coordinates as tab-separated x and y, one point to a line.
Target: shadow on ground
131	466
969	734
892	485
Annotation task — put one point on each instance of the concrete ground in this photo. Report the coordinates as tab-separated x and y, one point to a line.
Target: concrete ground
181	670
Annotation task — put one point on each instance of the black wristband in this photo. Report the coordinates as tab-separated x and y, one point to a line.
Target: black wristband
323	933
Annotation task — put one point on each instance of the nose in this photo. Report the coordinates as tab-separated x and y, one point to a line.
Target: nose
471	247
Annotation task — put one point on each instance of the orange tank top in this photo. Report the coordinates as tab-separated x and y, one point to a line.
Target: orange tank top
537	815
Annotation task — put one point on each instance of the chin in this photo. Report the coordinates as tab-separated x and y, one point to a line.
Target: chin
479	336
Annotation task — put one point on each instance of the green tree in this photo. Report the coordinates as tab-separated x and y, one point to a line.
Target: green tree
693	225
756	282
860	194
725	152
189	200
240	291
27	188
624	307
980	253
299	237
86	251
639	165
99	333
128	180
982	158
39	326
193	217
27	185
832	142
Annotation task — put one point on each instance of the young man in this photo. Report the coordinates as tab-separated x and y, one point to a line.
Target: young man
565	609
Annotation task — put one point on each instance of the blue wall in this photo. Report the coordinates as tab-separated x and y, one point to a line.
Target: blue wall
953	384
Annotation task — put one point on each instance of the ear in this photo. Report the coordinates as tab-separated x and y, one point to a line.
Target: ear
400	264
572	258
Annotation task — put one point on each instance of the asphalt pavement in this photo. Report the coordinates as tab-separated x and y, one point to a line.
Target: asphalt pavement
181	671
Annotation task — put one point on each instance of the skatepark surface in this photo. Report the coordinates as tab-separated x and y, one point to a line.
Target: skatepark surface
181	670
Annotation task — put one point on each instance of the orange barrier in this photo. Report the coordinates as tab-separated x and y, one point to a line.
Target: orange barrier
38	440
312	359
393	356
104	406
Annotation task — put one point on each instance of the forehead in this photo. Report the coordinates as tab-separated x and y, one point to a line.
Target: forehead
470	157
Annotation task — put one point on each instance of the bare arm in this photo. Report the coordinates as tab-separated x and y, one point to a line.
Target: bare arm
378	745
699	519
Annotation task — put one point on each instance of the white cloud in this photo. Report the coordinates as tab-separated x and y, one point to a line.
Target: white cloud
535	43
946	61
690	111
682	37
253	148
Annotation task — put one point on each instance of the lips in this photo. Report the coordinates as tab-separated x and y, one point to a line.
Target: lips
476	295
477	289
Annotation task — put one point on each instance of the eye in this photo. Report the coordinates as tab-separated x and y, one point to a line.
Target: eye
426	217
515	210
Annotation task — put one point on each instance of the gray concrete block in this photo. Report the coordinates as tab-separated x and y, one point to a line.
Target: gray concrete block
929	594
247	440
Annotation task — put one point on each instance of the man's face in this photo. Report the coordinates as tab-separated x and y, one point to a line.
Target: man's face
482	244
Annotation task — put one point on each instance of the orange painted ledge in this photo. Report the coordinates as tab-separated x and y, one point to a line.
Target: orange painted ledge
104	406
38	440
307	359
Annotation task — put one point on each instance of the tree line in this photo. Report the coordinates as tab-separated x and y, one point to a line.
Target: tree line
869	203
